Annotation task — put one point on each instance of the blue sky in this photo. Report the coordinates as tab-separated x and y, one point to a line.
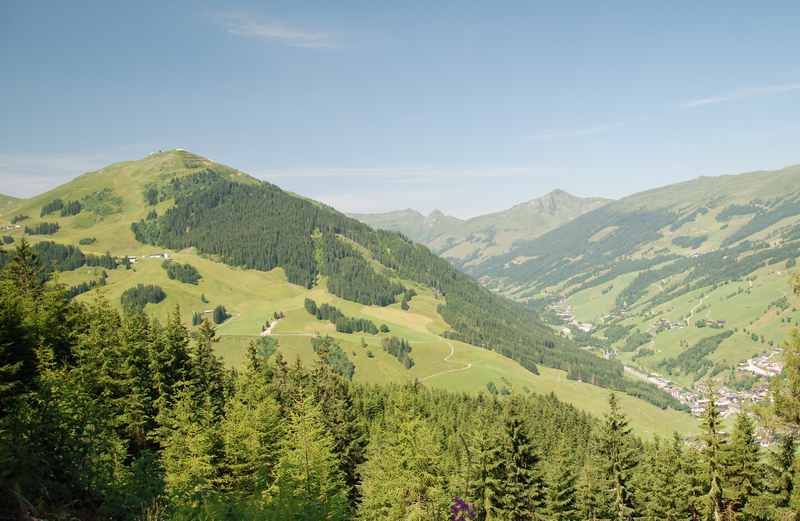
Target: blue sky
464	106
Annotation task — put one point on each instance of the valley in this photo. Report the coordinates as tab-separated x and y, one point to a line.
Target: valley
683	312
252	296
654	279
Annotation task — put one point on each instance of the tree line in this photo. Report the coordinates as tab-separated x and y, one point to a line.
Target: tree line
343	323
43	228
55	257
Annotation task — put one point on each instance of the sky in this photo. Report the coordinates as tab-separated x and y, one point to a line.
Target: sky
467	107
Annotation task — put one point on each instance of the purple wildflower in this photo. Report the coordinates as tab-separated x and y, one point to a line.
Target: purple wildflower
461	510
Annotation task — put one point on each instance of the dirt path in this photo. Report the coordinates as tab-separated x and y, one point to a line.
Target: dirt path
447	359
268	331
691	312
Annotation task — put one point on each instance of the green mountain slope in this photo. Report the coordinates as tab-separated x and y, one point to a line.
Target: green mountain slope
473	241
260	250
7	202
652	270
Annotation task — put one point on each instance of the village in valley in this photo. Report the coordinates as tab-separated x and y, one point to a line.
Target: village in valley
730	401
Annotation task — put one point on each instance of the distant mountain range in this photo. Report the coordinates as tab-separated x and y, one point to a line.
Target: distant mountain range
659	275
471	242
690	281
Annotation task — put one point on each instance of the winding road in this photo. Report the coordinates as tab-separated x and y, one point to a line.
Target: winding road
268	332
447	359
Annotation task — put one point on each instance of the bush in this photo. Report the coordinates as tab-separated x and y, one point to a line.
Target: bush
400	349
333	356
185	273
220	314
135	299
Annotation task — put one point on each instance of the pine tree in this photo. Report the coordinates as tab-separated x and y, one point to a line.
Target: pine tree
138	403
484	459
220	314
16	351
618	459
784	471
251	432
786	388
561	478
402	478
648	496
675	480
713	458
169	359
593	488
775	500
24	270
308	483
206	371
97	350
693	478
191	451
742	470
522	484
349	436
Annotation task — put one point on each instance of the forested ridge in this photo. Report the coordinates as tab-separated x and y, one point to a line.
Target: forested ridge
600	245
262	227
105	416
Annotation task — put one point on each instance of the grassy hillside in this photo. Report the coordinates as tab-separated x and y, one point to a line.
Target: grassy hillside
252	297
473	241
713	249
451	345
7	202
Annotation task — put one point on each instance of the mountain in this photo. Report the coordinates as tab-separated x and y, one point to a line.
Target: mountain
412	224
233	242
7	202
660	274
472	242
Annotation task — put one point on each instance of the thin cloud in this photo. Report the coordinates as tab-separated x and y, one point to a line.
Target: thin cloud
247	27
419	174
752	92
